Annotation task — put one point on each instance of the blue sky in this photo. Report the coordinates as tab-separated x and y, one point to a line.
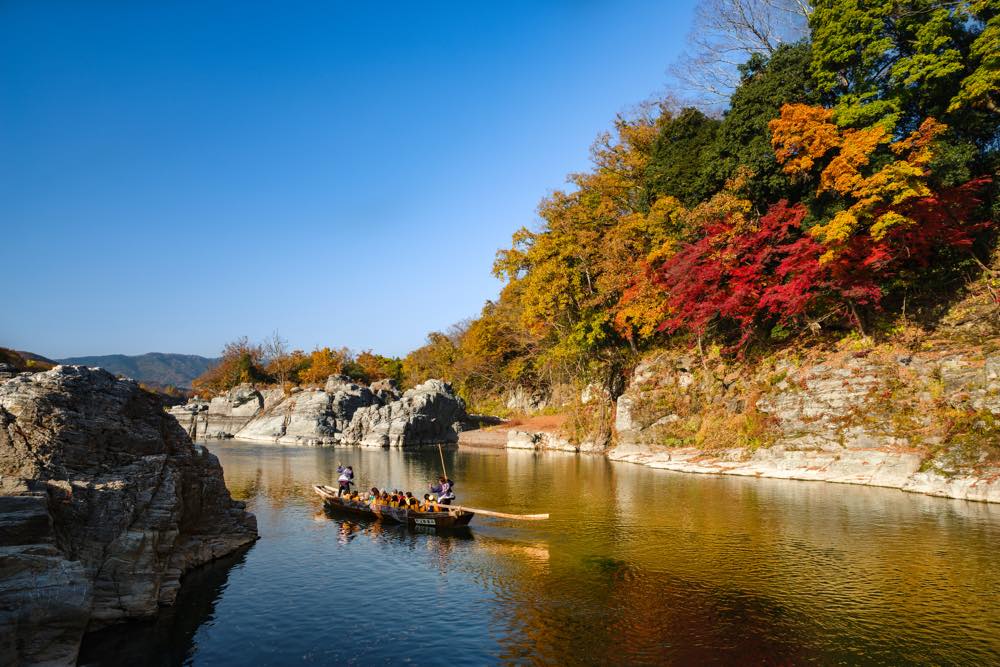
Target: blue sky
174	175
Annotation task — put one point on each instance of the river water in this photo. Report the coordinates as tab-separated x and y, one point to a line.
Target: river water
635	566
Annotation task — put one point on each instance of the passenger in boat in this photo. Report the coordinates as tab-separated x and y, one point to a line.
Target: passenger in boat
373	495
411	502
444	490
345	480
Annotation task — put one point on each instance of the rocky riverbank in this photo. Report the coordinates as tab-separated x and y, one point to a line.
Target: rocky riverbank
922	417
104	505
341	413
922	421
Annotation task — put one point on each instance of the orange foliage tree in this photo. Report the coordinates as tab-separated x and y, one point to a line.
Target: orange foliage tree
872	175
324	362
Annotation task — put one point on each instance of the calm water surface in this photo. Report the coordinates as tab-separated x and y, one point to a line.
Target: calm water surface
635	566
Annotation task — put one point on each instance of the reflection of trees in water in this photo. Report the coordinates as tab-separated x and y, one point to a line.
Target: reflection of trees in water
640	565
169	640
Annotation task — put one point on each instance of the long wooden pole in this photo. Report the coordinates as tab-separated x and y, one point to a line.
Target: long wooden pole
330	492
502	515
443	470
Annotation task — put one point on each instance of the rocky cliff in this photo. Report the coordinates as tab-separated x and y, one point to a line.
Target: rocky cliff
926	422
104	504
342	412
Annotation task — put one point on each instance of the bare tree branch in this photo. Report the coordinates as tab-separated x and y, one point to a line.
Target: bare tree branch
726	33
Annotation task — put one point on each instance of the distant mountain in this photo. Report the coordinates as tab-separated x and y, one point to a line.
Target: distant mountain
155	368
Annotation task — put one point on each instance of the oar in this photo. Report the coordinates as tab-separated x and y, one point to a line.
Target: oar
501	515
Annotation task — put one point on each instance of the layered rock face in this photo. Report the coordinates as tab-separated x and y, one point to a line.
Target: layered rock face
224	415
343	412
927	422
104	504
310	417
427	414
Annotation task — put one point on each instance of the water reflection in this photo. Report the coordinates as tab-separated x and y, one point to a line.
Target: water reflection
635	566
169	640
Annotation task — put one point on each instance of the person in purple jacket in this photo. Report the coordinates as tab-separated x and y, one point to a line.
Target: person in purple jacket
345	480
445	490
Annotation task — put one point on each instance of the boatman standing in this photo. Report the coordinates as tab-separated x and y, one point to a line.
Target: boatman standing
345	480
445	490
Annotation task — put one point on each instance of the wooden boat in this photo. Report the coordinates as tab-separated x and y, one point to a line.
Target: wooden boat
450	518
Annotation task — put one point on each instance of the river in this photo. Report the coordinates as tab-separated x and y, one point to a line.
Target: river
635	566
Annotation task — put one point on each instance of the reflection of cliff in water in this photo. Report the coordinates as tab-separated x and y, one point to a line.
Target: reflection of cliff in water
168	640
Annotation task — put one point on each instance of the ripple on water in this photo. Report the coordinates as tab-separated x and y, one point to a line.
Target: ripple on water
636	566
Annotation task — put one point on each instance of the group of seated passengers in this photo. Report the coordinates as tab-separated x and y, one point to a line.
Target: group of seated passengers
397	499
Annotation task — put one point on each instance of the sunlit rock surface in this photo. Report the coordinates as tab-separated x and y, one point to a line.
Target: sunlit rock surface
104	504
427	414
873	417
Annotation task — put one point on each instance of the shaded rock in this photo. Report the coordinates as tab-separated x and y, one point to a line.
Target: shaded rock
427	414
115	505
386	390
45	599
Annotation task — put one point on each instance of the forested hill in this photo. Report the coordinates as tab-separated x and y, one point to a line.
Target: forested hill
157	368
847	190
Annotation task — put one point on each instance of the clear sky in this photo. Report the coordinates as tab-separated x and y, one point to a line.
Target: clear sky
177	174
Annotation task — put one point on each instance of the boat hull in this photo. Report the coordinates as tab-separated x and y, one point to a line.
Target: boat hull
452	518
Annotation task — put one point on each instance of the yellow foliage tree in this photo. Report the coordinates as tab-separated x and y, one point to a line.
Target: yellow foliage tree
865	167
324	362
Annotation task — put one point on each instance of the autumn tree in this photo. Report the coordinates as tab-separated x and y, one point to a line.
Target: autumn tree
324	362
375	367
241	361
435	359
282	364
867	173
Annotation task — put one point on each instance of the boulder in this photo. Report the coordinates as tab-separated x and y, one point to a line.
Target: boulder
104	504
345	399
429	413
311	416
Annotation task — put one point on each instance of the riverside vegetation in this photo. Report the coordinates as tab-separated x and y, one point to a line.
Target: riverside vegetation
833	224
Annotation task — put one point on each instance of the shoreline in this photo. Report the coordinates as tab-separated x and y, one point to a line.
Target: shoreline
859	467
